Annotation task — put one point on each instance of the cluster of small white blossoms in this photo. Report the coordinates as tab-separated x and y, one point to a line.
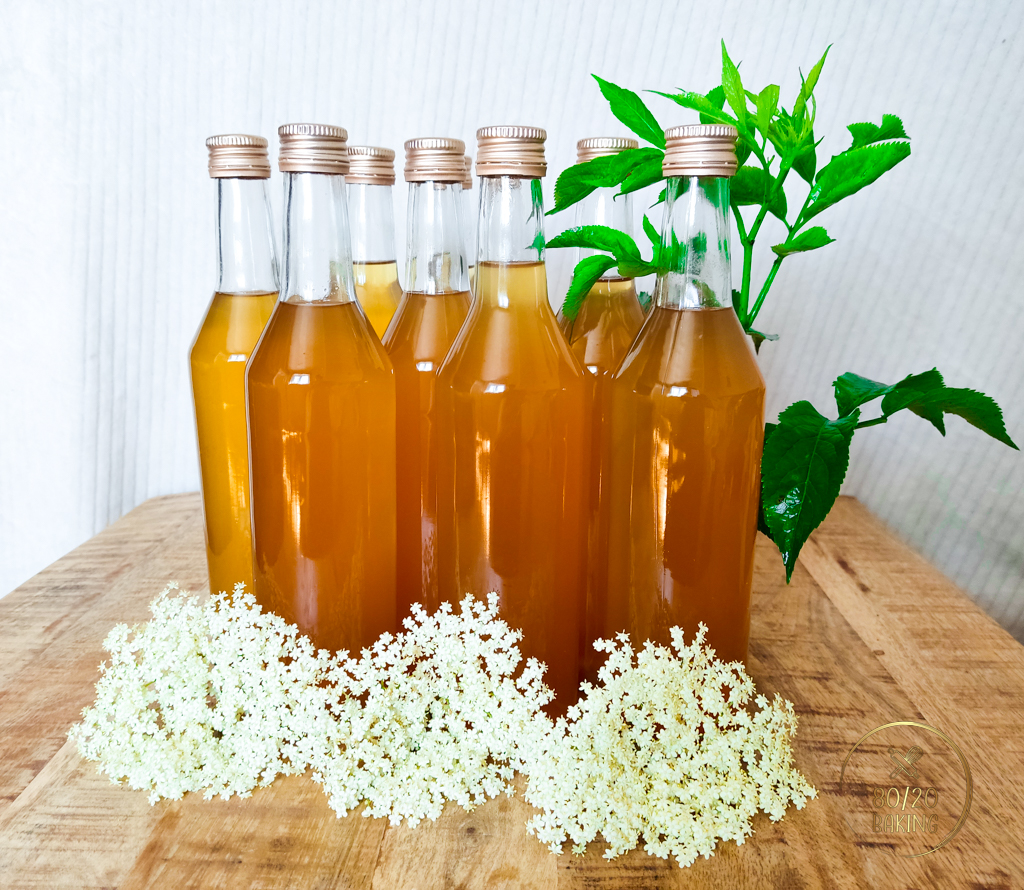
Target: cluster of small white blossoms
664	750
216	696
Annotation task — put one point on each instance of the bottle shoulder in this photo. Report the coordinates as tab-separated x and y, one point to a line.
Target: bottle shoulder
696	350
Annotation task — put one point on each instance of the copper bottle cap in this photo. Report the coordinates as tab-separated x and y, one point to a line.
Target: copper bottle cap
511	151
700	150
602	146
371	165
238	156
312	148
435	158
467	176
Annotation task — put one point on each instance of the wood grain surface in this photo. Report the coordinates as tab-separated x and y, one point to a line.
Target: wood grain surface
867	633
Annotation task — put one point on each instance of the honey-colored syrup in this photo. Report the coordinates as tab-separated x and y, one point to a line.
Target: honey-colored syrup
513	433
378	292
608	321
322	439
227	336
417	341
687	431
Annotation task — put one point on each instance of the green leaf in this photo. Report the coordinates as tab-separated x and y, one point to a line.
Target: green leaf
767	103
847	173
710	112
651	232
852	391
536	193
803	467
762	526
584	277
733	87
805	162
538	242
716	96
752	185
599	238
927	396
576	182
809	239
645	300
643	174
807	86
758	337
629	108
868	134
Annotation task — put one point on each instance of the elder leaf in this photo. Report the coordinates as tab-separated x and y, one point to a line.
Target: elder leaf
584	277
804	464
629	108
847	173
810	239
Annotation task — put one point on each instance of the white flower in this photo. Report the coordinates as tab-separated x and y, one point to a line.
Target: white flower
218	696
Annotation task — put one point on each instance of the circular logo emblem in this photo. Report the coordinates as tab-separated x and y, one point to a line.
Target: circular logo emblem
907	786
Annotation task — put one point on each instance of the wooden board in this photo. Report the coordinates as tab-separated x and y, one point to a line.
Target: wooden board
867	633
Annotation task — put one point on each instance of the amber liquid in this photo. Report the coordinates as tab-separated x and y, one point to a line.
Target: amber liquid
227	336
378	292
322	439
513	442
607	323
417	341
687	431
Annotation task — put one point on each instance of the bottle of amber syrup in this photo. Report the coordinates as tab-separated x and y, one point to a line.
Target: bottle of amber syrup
608	320
369	184
243	299
321	395
513	426
432	310
687	423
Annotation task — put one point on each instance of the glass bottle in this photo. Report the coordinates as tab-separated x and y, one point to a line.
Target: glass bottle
513	426
468	211
242	302
688	425
321	394
369	182
432	310
608	321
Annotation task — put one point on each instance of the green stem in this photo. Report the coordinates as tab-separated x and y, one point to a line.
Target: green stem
867	423
764	289
748	259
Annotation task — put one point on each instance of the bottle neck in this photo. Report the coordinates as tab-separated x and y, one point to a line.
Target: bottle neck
695	240
511	224
435	253
372	211
246	257
604	207
317	250
467	219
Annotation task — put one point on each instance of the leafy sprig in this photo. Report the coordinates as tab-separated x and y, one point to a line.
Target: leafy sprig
806	454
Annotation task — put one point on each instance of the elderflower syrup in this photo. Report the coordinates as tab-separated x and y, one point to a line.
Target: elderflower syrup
513	426
369	182
432	310
608	321
687	426
242	302
321	393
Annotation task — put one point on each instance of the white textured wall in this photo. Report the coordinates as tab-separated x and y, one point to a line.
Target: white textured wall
106	230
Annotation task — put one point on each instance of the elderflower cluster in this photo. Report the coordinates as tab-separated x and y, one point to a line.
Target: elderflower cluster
665	750
431	715
214	696
217	696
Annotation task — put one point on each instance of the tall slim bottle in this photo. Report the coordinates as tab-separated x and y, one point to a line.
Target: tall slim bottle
321	394
242	302
608	321
513	425
369	182
468	210
432	310
688	425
